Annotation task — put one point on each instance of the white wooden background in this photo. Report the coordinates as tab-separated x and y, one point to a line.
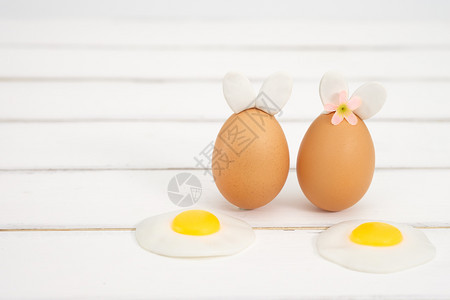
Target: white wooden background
97	115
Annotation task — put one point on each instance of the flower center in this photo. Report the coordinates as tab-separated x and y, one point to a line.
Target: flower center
343	109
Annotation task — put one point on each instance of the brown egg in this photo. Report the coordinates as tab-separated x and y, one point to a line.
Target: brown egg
251	159
335	163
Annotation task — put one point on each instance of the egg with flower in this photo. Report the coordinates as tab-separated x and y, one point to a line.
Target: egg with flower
336	159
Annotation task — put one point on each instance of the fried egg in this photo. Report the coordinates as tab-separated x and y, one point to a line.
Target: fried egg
194	233
375	247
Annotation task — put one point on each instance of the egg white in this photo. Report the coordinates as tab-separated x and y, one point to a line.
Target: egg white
155	234
334	244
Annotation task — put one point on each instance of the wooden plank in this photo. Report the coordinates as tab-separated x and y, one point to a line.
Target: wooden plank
206	64
120	199
281	264
175	144
193	101
222	33
212	10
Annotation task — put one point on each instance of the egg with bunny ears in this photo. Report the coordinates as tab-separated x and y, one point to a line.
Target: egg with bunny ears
250	161
336	159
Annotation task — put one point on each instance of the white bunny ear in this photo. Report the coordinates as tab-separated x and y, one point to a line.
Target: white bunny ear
331	85
274	93
238	91
372	95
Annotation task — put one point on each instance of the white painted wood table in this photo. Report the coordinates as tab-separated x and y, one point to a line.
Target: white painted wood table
96	116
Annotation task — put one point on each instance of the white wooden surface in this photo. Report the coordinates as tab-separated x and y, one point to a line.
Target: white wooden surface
212	9
280	265
96	116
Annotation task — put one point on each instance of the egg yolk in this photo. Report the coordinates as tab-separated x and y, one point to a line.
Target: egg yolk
376	234
195	222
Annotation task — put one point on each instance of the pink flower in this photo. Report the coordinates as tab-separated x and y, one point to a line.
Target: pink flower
344	109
